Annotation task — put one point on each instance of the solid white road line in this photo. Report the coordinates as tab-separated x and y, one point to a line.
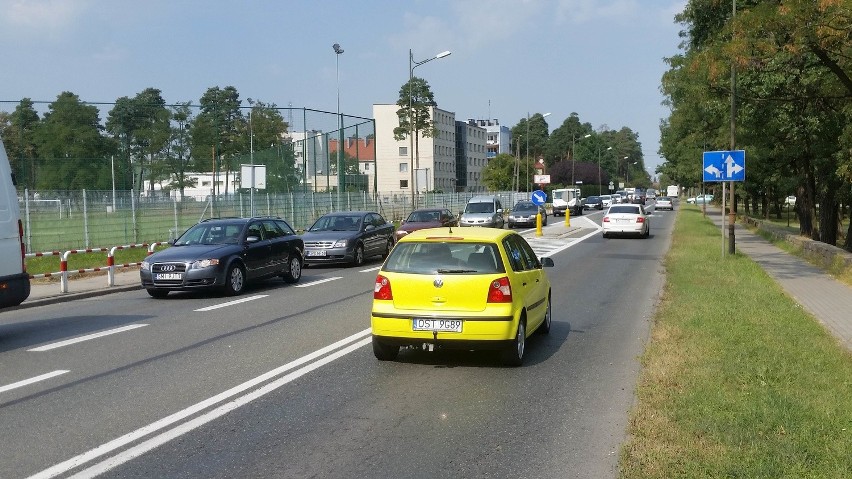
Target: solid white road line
231	303
36	379
319	281
220	411
371	269
172	419
79	339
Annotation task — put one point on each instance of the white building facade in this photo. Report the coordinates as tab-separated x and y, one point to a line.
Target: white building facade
471	155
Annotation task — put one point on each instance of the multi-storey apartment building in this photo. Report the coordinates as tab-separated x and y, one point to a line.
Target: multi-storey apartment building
471	155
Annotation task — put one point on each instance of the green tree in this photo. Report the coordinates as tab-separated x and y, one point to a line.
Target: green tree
18	130
73	154
415	104
499	174
216	131
537	134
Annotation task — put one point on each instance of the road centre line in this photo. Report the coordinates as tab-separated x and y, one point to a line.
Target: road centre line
168	421
80	339
231	303
29	381
319	281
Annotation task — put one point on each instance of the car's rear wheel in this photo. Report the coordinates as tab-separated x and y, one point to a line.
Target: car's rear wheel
157	293
514	354
389	248
235	280
384	351
548	318
294	271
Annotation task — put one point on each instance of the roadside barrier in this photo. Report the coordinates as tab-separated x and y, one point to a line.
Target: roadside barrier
110	267
111	261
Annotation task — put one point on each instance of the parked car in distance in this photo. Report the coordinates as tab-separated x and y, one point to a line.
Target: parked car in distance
426	218
483	211
347	237
225	254
665	203
472	288
700	199
524	214
626	220
593	203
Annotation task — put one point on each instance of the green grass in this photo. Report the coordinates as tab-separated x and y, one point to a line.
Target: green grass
50	264
737	380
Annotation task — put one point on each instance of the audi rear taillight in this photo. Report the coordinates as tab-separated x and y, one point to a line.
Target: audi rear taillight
640	220
500	291
606	219
382	289
23	246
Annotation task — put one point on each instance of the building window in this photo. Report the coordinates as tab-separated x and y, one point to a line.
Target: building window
366	167
403	167
403	183
403	151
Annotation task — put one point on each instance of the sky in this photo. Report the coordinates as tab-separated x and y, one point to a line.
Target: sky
602	59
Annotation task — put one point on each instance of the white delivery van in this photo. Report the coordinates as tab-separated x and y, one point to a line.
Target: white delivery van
14	280
567	199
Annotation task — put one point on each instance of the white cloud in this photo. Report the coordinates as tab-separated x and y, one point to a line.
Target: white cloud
40	17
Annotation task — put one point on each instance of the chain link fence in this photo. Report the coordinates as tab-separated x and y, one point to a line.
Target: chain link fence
63	220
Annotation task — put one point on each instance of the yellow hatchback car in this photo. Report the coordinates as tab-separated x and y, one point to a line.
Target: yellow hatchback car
461	288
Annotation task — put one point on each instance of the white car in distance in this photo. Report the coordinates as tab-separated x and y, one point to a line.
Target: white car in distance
626	219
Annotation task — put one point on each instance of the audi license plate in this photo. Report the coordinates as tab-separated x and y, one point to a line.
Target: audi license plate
446	325
321	252
165	276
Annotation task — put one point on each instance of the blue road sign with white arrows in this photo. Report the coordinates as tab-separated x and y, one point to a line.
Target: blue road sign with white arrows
539	197
724	165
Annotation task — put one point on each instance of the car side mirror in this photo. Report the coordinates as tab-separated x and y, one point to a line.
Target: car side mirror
369	227
547	262
499	211
252	239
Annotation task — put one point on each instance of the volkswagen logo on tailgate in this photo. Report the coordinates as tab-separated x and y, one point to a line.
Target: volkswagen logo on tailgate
167	267
438	282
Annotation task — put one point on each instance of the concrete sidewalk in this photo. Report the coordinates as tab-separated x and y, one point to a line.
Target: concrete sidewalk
828	299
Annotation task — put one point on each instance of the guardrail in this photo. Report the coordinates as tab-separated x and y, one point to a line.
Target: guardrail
110	267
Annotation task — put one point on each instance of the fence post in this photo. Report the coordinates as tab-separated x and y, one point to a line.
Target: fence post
133	214
27	213
85	220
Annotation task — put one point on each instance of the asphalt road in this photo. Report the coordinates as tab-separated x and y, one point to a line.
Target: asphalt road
284	383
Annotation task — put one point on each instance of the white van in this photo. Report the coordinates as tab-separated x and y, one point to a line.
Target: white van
14	280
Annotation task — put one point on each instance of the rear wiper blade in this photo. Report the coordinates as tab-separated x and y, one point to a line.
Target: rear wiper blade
448	271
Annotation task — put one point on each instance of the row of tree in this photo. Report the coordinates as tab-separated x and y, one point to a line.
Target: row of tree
774	79
143	138
573	153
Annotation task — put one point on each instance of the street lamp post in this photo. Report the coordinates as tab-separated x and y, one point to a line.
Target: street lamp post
600	181
573	156
340	178
411	66
627	171
528	149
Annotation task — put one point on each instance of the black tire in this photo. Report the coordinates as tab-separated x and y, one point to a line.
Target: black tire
294	270
157	293
544	328
606	236
544	222
358	257
647	233
383	351
235	280
514	354
389	248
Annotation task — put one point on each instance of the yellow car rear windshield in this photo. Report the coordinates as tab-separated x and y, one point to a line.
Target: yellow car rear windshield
431	257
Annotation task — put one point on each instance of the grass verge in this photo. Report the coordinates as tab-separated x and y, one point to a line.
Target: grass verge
737	381
50	264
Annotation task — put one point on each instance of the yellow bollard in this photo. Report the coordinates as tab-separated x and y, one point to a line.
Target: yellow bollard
538	224
567	216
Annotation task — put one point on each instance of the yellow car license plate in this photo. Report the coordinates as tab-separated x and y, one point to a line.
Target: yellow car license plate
445	325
